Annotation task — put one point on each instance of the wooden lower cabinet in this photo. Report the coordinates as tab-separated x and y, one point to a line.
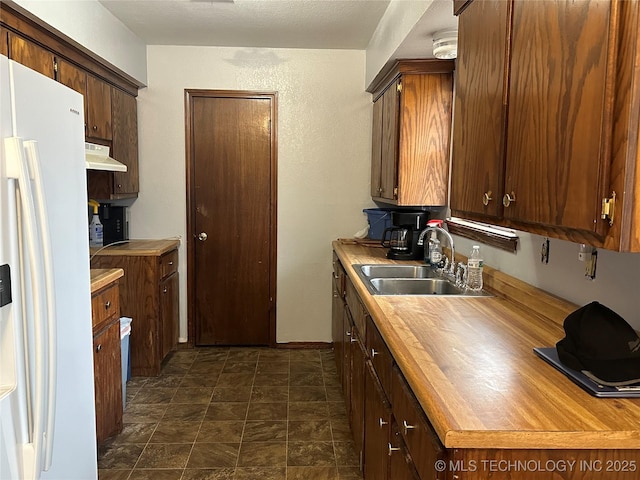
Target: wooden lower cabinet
149	295
107	367
377	428
356	413
401	466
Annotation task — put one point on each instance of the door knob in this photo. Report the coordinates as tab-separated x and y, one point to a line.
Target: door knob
202	236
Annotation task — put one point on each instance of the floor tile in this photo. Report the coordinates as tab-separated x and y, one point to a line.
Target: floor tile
224	431
140	413
213	367
312	473
235	379
307	394
346	453
213	354
300	454
269	394
231	394
193	395
274	354
340	430
260	473
164	381
209	474
209	455
307	379
337	409
156	474
262	454
154	395
120	456
272	367
200	380
135	433
232	366
110	474
265	431
348	473
272	379
334	394
244	354
164	455
309	431
267	411
182	412
226	411
175	432
306	366
308	410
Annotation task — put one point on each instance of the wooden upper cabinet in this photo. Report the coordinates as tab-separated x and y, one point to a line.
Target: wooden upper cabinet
124	109
477	172
547	116
558	150
411	132
31	55
4	41
75	79
98	100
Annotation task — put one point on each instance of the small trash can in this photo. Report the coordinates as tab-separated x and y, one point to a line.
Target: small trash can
125	331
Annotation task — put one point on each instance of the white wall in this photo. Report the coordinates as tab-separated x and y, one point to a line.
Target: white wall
93	26
324	142
617	282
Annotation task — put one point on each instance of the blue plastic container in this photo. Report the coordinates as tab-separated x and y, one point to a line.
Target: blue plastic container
379	219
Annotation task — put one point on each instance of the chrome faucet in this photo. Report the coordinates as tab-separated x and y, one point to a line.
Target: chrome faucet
450	266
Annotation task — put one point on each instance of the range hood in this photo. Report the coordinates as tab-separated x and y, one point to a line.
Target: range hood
97	157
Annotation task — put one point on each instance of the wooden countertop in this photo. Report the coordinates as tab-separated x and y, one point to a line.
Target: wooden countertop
101	277
471	366
138	248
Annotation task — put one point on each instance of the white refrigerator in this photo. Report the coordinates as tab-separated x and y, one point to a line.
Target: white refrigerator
47	413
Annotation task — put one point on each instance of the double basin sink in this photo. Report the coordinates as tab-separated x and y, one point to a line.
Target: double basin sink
409	280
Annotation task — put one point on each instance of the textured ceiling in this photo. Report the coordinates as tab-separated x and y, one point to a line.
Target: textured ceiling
343	24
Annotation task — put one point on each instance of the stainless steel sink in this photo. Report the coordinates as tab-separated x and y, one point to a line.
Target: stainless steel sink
397	271
409	280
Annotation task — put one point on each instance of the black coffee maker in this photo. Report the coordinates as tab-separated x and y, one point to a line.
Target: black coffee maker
402	238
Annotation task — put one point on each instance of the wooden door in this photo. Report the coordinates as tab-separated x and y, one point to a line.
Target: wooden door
169	314
480	105
377	430
337	327
98	101
560	100
108	391
124	109
401	466
232	212
358	358
376	148
389	161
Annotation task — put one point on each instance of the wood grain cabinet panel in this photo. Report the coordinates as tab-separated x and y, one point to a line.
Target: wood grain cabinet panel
337	328
107	368
98	109
152	302
377	429
380	356
124	110
31	55
411	133
401	464
547	118
356	412
4	41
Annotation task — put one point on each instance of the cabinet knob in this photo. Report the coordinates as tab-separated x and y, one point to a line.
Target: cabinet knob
95	127
98	347
393	449
508	199
171	263
164	290
382	423
486	198
374	353
120	186
407	427
107	305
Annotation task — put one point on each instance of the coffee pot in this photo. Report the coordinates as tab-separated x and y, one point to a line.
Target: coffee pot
402	238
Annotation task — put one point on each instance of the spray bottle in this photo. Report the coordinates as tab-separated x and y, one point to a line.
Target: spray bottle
95	228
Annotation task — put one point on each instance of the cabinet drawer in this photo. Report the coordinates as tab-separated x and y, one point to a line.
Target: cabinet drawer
168	263
380	356
356	308
422	441
104	305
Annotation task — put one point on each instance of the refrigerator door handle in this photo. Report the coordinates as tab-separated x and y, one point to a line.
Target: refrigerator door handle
33	157
32	452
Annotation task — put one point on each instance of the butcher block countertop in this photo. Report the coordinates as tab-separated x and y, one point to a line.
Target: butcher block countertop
101	277
470	364
139	248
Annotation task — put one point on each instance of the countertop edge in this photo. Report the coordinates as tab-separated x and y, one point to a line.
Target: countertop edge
101	277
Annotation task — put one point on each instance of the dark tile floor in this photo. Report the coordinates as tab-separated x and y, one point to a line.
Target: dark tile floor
235	414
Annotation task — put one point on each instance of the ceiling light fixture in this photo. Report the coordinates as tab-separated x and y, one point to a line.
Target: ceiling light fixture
445	44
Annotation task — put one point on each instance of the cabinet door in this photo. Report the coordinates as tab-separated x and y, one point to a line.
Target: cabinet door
389	153
124	110
401	466
4	41
346	364
477	170
76	79
377	429
337	328
107	371
169	314
98	108
558	153
356	415
31	55
376	148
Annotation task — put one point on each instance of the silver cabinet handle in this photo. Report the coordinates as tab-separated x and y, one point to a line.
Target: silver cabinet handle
393	449
171	262
353	339
202	236
407	427
382	423
98	347
486	198
374	353
107	305
164	290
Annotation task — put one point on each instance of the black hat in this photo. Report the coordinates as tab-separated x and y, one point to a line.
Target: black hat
600	343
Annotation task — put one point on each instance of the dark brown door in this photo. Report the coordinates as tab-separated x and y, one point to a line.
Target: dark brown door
231	150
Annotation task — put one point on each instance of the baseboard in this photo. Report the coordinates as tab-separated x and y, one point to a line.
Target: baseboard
308	345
